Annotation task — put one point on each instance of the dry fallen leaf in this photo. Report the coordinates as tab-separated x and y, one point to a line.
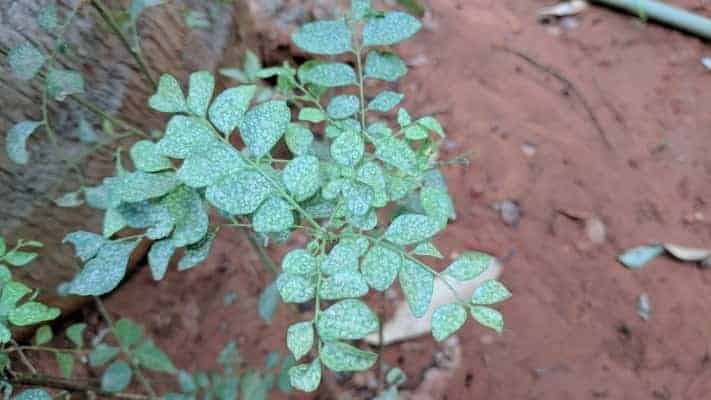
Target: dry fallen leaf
403	326
687	253
563	9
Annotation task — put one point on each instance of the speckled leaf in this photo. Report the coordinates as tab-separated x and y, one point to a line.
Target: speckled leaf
127	332
447	319
62	83
431	124
159	257
380	267
32	313
427	249
71	199
196	252
397	153
385	66
302	177
411	228
342	357
488	317
295	288
33	394
268	302
146	157
469	265
185	136
306	377
5	334
324	37
385	101
298	139
358	197
490	292
16	140
151	357
360	9
116	377
300	338
342	257
343	106
138	186
327	74
202	84
240	193
101	354
186	208
86	244
348	148
169	97
75	333
391	28
348	319
205	168
299	262
417	284
311	114
274	215
343	285
113	222
437	204
104	272
263	126
25	61
228	109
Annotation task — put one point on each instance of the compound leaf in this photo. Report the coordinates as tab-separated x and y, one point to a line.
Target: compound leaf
342	285
239	193
146	157
327	74
397	153
342	257
343	106
185	136
298	139
274	215
299	262
302	176
348	148
295	288
380	267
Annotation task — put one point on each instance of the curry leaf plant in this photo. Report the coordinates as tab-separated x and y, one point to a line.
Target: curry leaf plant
320	156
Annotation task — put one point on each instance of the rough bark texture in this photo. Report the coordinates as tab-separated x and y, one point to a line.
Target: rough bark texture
113	82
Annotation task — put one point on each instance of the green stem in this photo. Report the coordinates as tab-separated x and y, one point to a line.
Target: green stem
105	13
103	114
361	87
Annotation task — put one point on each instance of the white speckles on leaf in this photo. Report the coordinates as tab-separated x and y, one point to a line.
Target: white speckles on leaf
417	284
263	126
202	84
228	109
16	140
169	97
324	37
385	66
391	28
348	319
327	74
411	228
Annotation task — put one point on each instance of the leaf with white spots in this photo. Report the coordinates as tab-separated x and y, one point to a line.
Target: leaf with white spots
274	215
327	74
390	28
302	177
239	193
346	320
469	265
86	244
169	97
25	61
295	288
298	139
263	126
200	89
490	292
299	262
380	267
348	148
342	357
385	66
343	106
411	228
186	136
324	37
417	283
447	319
396	153
306	377
228	109
385	101
196	252
62	83
146	157
342	257
343	285
159	257
300	338
488	317
16	141
105	271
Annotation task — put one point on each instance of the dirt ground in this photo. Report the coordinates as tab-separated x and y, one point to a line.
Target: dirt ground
572	328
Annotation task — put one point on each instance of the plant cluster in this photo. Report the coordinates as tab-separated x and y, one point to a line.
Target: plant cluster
367	192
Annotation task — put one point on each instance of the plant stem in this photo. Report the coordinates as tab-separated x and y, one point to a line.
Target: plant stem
105	13
71	385
24	358
103	114
361	88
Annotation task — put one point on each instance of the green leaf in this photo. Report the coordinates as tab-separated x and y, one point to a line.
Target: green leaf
65	362
415	132
342	285
32	313
187	210
488	317
431	124
252	65
196	252
639	256
324	37
358	197
264	125
202	85
25	61
299	262
343	106
147	157
295	288
3	246
490	292
205	168
159	257
447	319
274	215
385	66
268	302
327	74
360	9
437	204
348	148
16	141
12	292
62	83
43	335
33	394
151	357
306	377
298	139
127	332
133	187
75	333
18	258
5	336
380	267
411	228
417	284
427	249
342	257
403	117
283	381
169	97
348	319
235	73
391	28
395	377
469	265
113	222
385	101
186	136
302	177
300	338
228	109
102	354
117	377
48	17
396	153
104	272
311	114
240	193
342	357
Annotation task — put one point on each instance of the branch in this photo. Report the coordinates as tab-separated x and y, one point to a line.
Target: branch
54	382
